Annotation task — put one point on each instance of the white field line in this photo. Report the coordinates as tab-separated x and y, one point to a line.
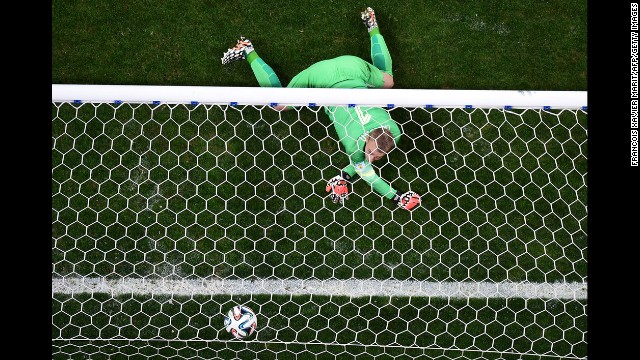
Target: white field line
350	288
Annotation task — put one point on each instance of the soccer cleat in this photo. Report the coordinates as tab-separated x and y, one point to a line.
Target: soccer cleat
369	19
238	52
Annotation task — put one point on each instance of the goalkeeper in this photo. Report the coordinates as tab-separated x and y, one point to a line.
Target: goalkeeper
367	133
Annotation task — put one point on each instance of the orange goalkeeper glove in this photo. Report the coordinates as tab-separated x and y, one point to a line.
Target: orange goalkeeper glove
338	189
408	200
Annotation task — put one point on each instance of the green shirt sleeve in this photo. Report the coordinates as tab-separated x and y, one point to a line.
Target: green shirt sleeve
368	174
352	126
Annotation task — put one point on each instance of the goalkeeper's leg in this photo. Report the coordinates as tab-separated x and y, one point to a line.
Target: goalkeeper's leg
380	55
263	72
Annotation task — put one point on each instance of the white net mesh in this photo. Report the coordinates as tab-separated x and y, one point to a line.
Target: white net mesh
166	215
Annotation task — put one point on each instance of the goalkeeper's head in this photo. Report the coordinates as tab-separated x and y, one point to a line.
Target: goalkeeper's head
379	143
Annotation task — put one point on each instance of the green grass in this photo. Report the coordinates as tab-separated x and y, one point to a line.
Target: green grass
434	45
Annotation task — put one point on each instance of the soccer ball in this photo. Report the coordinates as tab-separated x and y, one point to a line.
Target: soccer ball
240	321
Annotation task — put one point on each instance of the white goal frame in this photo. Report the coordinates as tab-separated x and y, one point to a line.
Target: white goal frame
509	99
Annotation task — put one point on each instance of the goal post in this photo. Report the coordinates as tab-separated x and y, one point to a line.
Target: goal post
303	97
171	204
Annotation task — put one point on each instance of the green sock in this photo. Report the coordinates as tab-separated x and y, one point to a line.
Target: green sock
374	31
252	56
380	56
263	72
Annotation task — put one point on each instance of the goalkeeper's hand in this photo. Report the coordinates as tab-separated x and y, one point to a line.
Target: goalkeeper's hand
338	189
408	200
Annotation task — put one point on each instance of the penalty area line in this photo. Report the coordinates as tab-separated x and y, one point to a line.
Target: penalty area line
350	288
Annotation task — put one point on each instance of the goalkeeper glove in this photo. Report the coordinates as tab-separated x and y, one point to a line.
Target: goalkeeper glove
338	188
407	200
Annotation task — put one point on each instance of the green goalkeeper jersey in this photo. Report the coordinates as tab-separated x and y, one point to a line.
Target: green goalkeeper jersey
352	124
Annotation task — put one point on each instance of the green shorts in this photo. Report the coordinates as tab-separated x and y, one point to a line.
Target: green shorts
347	72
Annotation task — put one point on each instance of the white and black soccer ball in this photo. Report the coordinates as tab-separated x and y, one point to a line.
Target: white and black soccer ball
240	321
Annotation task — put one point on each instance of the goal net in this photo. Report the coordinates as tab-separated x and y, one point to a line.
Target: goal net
170	205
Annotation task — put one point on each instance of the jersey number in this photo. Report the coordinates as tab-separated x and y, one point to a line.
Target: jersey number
362	117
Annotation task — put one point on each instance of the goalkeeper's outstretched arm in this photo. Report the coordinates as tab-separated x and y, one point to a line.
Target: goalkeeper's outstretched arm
365	171
407	200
